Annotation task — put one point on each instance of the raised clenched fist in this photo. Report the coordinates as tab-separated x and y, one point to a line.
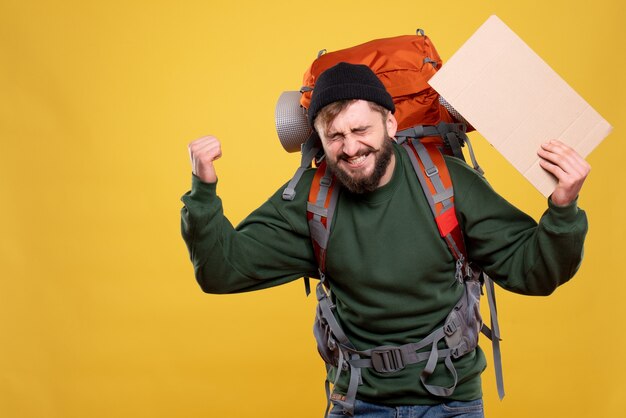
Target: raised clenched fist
203	152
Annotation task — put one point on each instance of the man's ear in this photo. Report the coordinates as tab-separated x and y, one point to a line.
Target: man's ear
392	125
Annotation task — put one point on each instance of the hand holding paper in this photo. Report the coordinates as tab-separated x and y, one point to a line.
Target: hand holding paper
567	166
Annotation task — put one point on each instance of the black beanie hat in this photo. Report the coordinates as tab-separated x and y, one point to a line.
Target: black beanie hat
346	82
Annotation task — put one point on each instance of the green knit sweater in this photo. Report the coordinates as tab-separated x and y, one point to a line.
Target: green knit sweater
391	274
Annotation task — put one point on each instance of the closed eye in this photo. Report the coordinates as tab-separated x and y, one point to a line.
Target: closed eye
335	137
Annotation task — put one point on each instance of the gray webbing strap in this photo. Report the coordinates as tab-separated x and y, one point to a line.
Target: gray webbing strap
341	363
495	335
325	183
472	156
442	194
445	195
327	390
420	177
317	210
319	232
493	310
310	148
432	361
327	314
332	204
344	344
454	136
455	145
418	131
453	133
461	262
433	173
440	390
350	397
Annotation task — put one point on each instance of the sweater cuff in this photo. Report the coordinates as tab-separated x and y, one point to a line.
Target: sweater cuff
201	191
563	215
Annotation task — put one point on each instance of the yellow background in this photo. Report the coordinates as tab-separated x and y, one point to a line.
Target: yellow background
100	315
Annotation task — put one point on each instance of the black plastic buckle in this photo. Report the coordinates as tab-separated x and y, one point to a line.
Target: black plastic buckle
388	360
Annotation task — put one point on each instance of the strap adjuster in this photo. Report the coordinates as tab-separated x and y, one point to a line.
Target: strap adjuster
432	171
459	350
450	328
326	181
388	360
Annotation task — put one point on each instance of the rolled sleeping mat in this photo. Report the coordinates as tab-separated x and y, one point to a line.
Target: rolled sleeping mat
292	124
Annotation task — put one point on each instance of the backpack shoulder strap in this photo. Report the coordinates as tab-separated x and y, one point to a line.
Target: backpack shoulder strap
434	177
310	149
320	210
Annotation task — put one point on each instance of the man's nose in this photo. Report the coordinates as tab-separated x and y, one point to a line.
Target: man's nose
350	145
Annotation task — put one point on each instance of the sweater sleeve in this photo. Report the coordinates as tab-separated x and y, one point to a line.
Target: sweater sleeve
518	253
270	247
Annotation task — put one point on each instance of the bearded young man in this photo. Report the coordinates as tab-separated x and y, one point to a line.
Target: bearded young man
392	276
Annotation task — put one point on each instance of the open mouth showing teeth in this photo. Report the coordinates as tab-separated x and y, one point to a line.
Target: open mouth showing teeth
356	161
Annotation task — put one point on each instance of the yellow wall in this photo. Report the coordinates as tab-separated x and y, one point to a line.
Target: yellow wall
100	314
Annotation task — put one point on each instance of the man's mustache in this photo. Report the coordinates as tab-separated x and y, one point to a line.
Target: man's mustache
364	151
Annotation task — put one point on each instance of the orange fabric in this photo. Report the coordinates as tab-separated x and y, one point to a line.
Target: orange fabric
315	189
447	222
399	64
320	253
431	144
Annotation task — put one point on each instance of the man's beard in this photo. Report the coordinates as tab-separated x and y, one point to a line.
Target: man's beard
370	183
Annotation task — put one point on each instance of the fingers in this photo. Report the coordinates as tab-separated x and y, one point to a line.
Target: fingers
562	160
567	166
207	148
202	153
